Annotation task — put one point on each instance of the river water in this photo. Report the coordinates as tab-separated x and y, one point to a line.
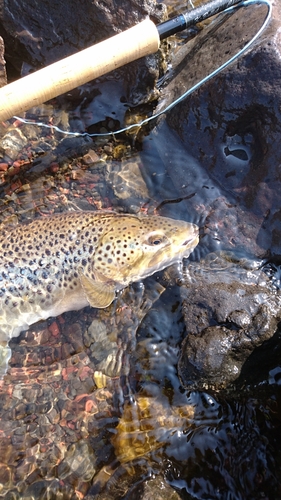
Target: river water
93	405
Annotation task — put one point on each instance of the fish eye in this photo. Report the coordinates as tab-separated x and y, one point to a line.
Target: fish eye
155	240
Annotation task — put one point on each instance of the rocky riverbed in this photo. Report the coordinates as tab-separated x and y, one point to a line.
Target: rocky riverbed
174	390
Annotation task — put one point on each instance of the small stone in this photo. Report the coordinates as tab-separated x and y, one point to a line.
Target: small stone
54	167
91	157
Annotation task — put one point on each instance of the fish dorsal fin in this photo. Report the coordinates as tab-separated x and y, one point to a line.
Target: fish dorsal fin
99	294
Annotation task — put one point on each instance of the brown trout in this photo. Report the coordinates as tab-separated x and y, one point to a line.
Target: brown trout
75	259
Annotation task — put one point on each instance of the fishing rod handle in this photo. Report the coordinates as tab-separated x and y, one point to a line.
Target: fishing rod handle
78	69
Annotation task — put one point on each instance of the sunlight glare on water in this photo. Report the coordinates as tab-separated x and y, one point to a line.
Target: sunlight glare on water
92	405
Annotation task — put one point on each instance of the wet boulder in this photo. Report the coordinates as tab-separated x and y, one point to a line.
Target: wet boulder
231	126
224	160
230	308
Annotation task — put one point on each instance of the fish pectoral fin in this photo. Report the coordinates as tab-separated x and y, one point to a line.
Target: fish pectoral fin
99	294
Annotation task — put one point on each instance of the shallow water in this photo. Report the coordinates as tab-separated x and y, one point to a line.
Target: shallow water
92	405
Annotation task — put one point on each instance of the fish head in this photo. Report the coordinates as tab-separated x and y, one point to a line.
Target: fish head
136	247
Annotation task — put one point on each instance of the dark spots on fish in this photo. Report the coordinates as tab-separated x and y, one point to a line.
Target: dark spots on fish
50	252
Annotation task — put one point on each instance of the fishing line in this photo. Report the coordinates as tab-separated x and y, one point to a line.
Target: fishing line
244	3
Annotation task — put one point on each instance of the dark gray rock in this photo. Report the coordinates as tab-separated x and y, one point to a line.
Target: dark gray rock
231	126
220	148
229	309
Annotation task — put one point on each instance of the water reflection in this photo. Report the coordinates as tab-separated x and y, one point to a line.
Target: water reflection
92	405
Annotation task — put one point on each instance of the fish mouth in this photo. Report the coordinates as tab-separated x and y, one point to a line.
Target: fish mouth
191	239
